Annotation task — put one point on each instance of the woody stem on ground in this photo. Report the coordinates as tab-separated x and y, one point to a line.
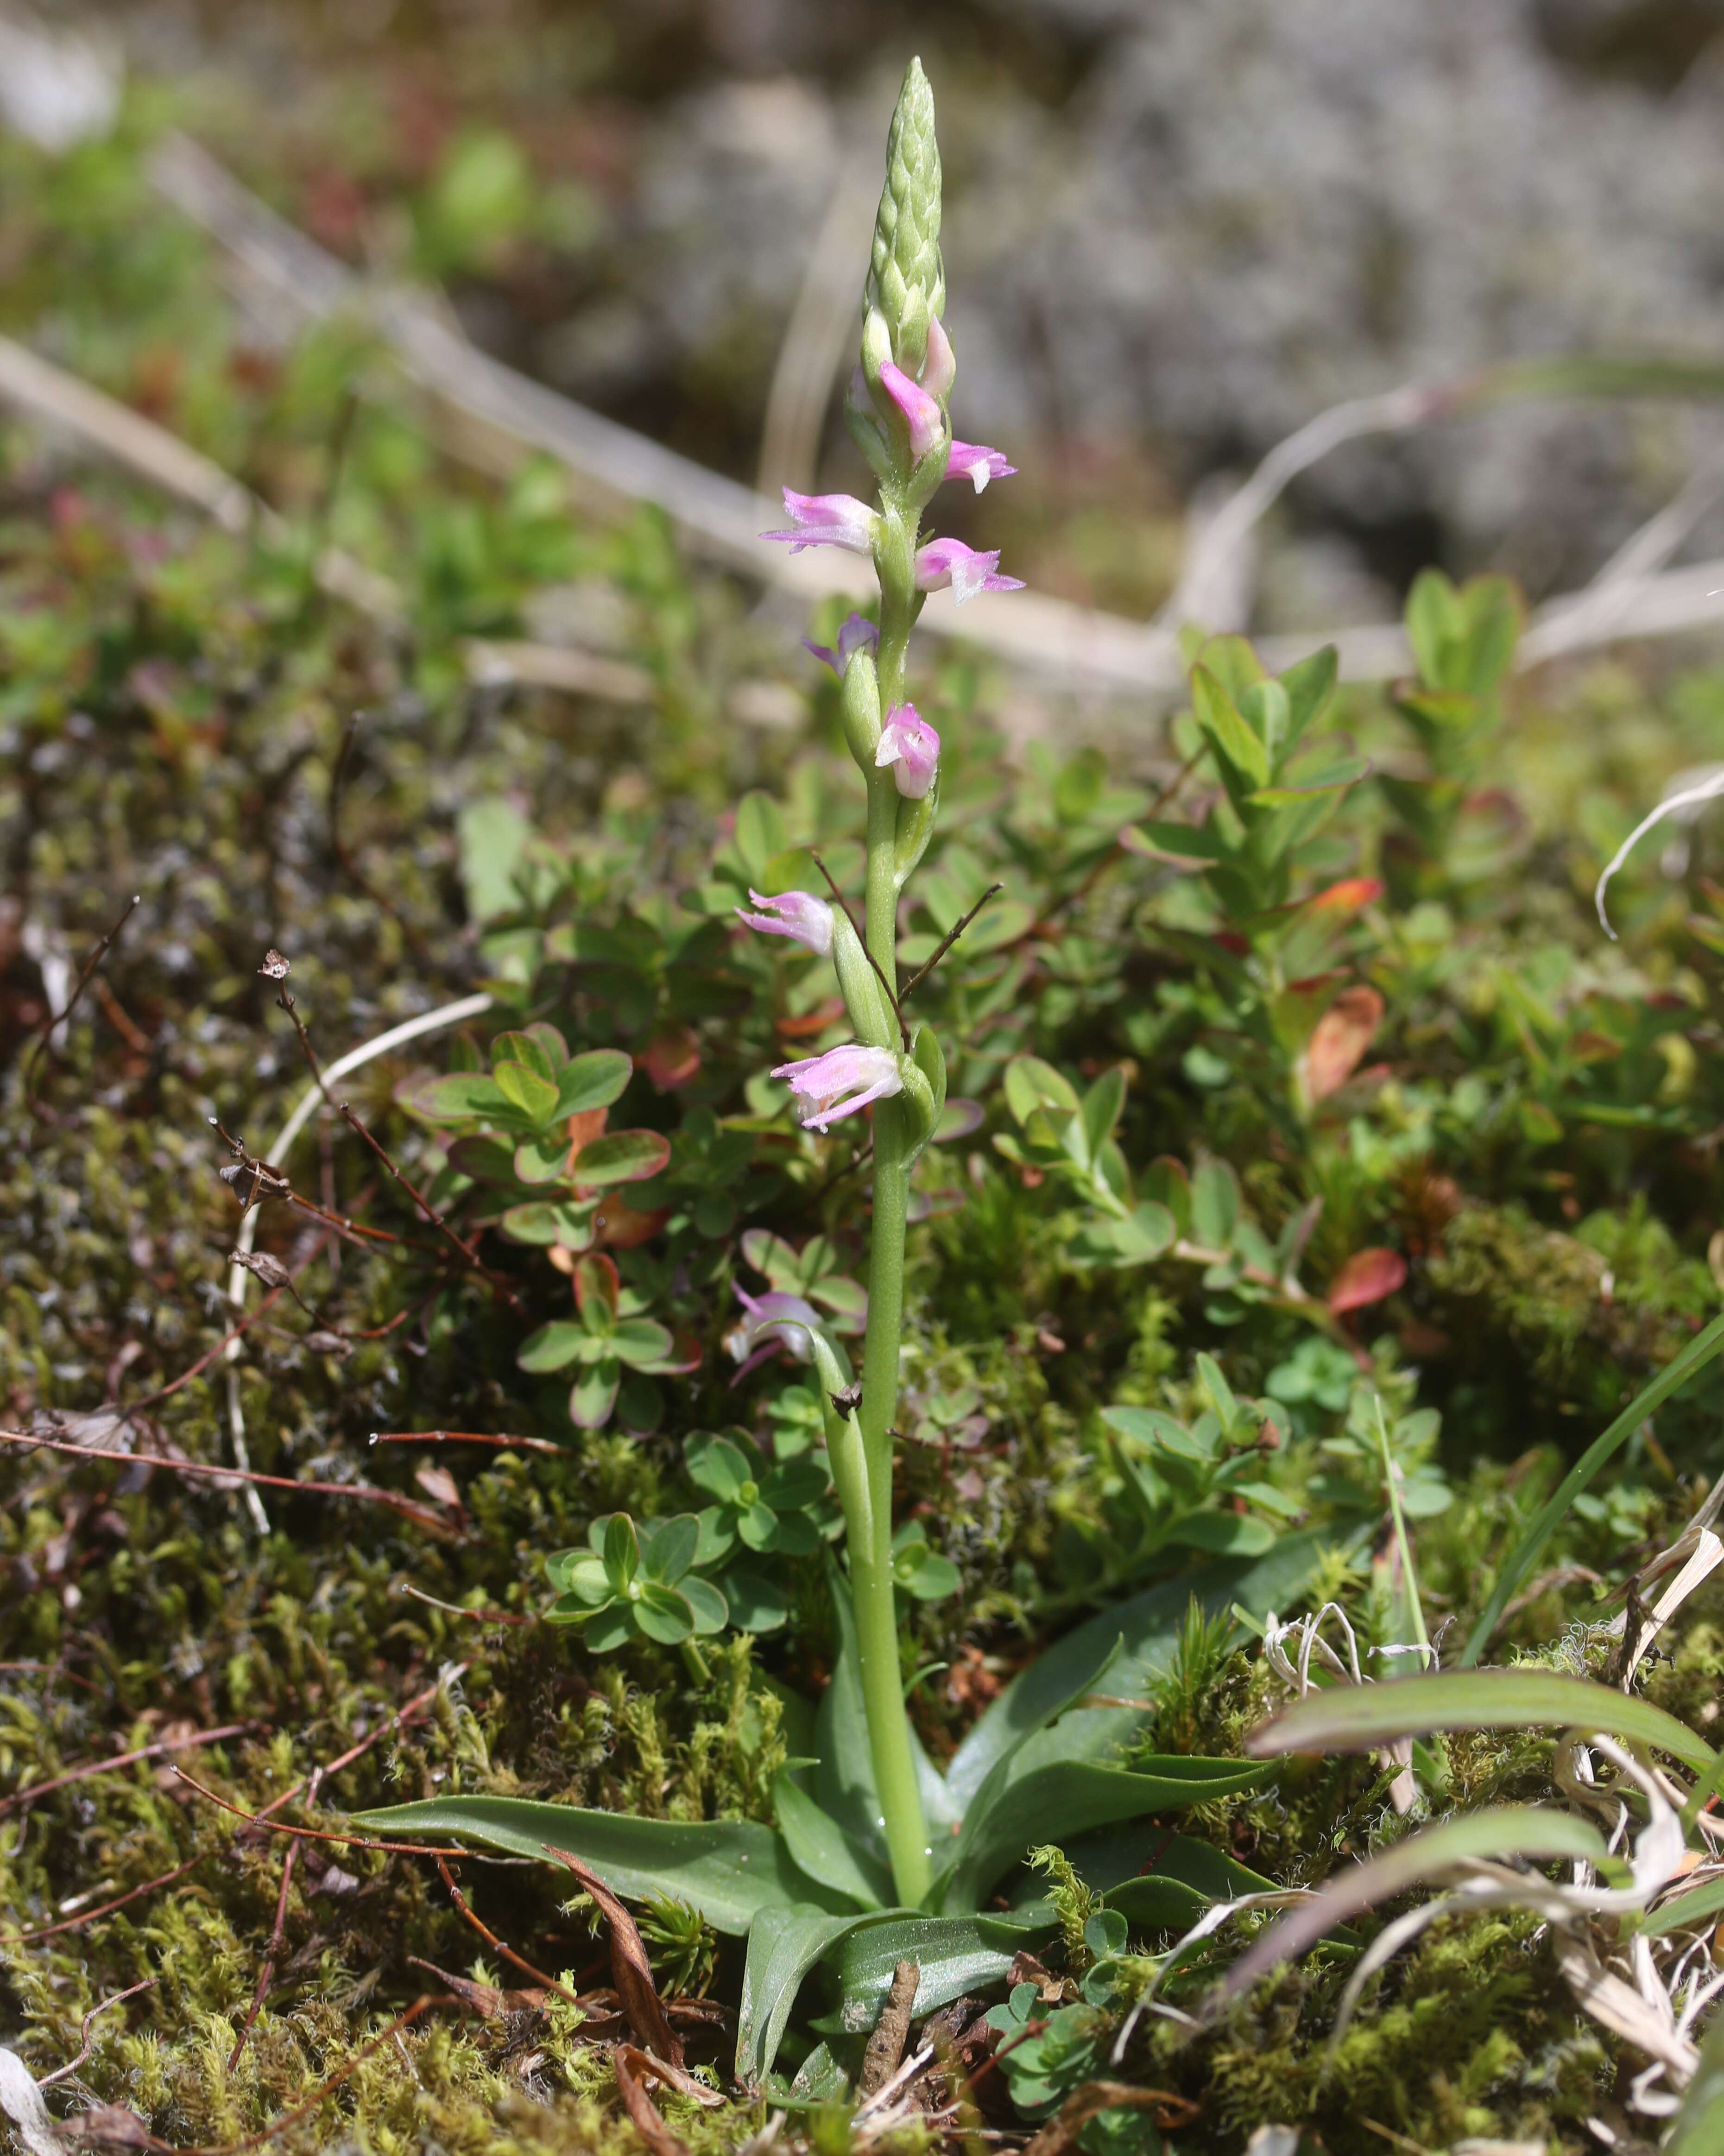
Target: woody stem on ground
870	1541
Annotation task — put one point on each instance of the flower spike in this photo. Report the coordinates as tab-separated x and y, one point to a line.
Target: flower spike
827	520
858	633
911	746
799	914
945	562
840	1081
971	460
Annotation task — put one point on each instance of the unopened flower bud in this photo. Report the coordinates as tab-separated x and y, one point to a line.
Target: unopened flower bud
941	371
906	257
870	1013
861	704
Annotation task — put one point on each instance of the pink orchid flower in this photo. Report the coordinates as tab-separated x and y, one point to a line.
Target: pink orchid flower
826	520
944	561
911	746
858	633
840	1081
768	1323
972	460
921	413
799	915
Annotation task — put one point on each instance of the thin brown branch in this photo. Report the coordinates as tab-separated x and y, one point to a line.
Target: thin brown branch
838	899
946	942
309	1833
454	1609
122	1019
421	1515
502	1441
469	1258
89	1915
860	1158
491	1939
56	1020
267	1181
198	1368
71	2067
86	1768
52	1669
321	1774
284	1002
344	855
266	1973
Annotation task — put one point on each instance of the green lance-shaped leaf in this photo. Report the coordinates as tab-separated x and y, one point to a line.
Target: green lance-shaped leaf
1700	2125
1699	1351
1359	1717
906	280
729	1870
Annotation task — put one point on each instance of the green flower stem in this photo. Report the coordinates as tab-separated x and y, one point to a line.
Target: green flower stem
870	1549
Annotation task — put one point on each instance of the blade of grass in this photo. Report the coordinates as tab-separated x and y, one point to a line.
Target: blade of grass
1699	1351
1391	1479
1532	1831
1358	1718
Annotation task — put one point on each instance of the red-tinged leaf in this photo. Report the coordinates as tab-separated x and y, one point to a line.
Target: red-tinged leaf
810	1022
672	1058
1347	897
1367	1277
596	1288
619	1227
584	1128
621	1157
1339	1040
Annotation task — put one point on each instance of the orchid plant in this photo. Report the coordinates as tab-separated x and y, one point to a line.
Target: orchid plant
876	1854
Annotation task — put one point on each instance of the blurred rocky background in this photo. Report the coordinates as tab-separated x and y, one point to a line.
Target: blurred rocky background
1176	229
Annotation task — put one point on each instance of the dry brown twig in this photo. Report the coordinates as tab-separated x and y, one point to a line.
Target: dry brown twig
266	1973
366	1492
87	1768
885	2052
89	1915
71	2067
491	1939
55	1021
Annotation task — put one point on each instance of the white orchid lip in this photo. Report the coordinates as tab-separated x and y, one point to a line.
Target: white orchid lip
976	462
